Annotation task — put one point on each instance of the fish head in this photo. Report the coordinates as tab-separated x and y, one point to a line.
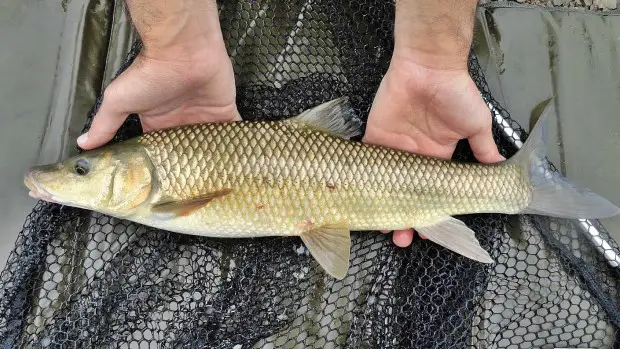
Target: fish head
113	180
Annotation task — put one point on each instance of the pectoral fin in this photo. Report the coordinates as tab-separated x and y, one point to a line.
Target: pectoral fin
172	209
330	245
454	235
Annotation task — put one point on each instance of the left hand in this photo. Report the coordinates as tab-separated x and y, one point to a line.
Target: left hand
427	110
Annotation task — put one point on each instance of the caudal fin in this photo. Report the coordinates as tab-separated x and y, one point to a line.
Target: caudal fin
553	194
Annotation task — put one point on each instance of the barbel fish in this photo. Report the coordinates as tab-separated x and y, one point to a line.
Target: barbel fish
304	176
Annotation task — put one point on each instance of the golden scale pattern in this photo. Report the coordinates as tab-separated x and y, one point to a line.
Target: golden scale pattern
285	176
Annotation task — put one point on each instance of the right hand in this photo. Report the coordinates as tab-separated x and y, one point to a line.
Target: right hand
167	89
427	111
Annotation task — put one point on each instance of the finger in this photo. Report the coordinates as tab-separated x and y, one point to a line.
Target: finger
105	124
484	147
403	238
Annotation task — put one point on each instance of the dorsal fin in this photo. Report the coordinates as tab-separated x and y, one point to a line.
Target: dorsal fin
335	117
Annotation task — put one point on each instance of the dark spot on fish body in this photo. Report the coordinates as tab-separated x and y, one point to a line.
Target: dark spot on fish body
330	186
260	207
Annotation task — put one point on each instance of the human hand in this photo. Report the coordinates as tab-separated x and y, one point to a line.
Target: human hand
165	92
427	111
182	76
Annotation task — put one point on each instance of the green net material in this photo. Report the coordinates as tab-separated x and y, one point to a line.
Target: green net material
79	279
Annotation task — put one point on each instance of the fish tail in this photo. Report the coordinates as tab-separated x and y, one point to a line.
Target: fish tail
552	193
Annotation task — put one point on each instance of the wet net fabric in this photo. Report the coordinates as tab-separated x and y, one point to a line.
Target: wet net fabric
78	279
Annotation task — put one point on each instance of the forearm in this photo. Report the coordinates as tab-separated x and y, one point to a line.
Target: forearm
166	25
436	33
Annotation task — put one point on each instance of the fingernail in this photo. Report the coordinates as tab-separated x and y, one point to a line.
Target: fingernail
82	139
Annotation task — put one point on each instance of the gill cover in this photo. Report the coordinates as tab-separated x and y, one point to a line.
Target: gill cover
114	179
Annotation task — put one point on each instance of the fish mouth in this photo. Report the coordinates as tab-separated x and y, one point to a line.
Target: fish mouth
36	191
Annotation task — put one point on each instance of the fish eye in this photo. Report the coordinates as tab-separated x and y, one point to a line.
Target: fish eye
82	167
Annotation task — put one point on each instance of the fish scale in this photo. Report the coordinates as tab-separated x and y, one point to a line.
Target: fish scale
297	174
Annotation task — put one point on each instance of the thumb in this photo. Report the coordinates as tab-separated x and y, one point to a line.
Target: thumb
105	123
484	147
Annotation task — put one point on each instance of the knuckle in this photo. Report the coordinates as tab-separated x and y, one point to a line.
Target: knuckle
110	94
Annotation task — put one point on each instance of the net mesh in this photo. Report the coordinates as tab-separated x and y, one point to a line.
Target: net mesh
78	279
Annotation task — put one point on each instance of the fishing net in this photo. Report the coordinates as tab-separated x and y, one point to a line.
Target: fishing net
78	279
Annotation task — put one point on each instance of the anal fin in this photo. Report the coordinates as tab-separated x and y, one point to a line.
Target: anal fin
330	245
454	235
172	209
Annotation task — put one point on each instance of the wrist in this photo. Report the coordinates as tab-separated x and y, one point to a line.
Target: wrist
436	34
408	76
176	28
431	58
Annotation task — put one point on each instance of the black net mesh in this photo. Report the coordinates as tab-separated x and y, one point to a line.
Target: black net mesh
78	279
